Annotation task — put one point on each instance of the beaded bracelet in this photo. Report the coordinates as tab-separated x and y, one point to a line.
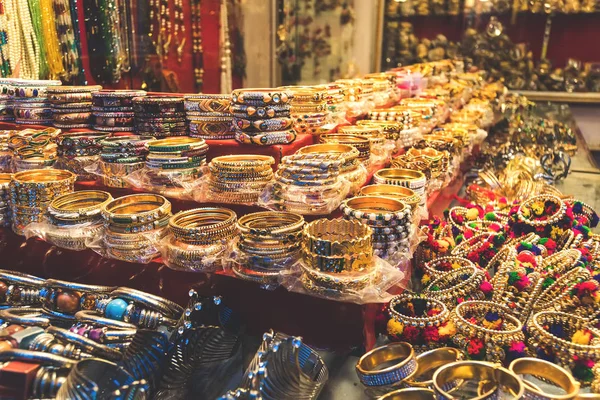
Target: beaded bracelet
267	138
261	96
457	284
245	112
207	104
274	124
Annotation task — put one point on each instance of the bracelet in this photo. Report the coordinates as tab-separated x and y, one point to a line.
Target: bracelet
176	145
63	299
363	130
208	103
267	139
371	208
429	362
261	96
260	112
457	284
547	371
404	365
242	162
203	226
19	289
274	124
79	206
500	379
135	209
337	238
409	394
211	129
401	177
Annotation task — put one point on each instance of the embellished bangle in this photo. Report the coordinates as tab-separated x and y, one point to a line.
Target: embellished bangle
19	289
401	177
208	103
336	238
457	284
429	362
245	112
266	138
406	195
401	360
136	209
274	124
203	226
210	129
372	209
79	206
261	96
63	299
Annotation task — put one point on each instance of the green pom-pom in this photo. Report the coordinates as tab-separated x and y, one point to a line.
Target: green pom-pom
434	288
585	230
543	241
583	373
547	282
490	217
513	277
527	245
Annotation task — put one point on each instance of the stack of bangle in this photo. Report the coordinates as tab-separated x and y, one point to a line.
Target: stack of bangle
76	218
31	192
384	84
174	161
6	108
352	89
309	108
390	129
262	116
76	151
159	116
414	180
309	181
72	105
269	242
200	236
371	132
5	215
389	220
30	101
337	245
208	116
239	178
334	97
120	156
406	119
428	160
112	110
33	149
6	154
362	144
405	195
133	226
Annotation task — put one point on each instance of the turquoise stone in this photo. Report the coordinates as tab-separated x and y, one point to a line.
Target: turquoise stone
116	309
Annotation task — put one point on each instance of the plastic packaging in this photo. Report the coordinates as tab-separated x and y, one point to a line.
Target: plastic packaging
78	166
138	247
180	184
73	237
355	287
182	256
113	174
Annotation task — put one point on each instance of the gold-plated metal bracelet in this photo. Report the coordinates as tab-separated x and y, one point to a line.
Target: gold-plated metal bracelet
549	372
397	359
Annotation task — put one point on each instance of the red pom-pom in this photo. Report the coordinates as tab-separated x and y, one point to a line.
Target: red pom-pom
431	334
410	334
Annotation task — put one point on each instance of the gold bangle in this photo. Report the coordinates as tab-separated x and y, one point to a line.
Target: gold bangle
403	177
41	178
547	371
79	205
361	130
401	193
203	225
337	237
136	208
431	361
500	379
242	161
404	366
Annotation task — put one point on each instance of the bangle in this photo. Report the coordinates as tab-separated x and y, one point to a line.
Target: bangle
363	145
406	195
63	299
307	94
373	209
404	365
208	103
243	161
24	316
549	372
354	281
261	96
429	362
136	209
401	177
274	124
441	265
79	206
267	138
457	284
360	130
19	289
203	226
500	379
210	129
337	237
139	308
260	112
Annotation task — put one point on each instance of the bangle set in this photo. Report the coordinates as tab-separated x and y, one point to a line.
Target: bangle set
414	180
262	116
200	237
309	181
269	242
309	108
32	191
405	195
5	211
112	110
208	116
159	116
133	226
389	219
121	156
175	161
457	285
72	105
239	178
362	144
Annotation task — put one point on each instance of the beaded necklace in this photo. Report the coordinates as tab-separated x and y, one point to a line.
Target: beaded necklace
29	67
14	46
225	49
64	25
36	19
197	50
179	26
51	44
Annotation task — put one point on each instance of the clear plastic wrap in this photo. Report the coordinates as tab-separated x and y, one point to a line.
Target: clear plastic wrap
409	137
381	155
78	166
180	184
306	200
182	256
142	247
354	287
113	174
72	237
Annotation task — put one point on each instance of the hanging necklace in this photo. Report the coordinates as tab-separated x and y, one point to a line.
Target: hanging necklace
179	26
5	68
14	36
197	50
225	50
29	67
36	19
51	44
66	35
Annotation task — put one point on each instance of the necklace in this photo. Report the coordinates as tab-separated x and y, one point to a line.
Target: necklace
29	67
36	19
14	35
51	44
225	50
66	37
197	50
179	26
5	69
